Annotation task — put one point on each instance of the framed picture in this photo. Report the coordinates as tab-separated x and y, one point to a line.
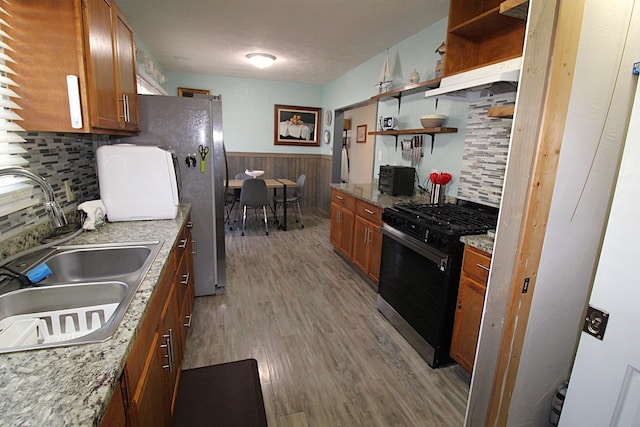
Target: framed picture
361	133
191	93
296	125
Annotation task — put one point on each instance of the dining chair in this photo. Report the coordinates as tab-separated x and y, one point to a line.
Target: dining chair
254	195
232	198
293	199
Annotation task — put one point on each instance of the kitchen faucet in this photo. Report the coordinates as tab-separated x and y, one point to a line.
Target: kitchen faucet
56	216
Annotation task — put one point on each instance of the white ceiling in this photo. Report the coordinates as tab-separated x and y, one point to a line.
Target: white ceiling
314	41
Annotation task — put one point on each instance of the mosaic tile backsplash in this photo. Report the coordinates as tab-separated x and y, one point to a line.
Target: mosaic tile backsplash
486	146
57	158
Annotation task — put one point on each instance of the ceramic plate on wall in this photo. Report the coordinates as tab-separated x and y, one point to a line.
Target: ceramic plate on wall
327	117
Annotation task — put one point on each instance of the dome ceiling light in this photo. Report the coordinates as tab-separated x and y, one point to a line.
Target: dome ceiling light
261	60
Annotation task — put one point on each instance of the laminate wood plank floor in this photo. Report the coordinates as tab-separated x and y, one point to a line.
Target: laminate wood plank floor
326	356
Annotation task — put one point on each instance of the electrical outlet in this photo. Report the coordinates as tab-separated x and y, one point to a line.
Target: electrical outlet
69	192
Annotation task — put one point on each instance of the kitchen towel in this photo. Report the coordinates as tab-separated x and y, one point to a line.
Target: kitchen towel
96	213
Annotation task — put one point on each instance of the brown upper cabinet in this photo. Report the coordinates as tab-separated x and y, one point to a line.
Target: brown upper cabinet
88	39
478	35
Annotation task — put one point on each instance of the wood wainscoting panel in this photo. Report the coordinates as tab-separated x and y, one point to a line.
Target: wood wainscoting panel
317	168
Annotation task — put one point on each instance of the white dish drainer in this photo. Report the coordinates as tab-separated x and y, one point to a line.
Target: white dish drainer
53	326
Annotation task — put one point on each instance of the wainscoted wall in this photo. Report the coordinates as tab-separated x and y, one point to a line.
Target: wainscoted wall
484	160
316	167
57	158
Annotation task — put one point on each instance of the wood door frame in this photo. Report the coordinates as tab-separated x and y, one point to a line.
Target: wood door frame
553	32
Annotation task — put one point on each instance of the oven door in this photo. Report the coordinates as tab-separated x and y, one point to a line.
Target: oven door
418	288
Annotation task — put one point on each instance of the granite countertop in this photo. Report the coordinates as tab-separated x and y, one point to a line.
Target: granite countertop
479	241
369	193
71	386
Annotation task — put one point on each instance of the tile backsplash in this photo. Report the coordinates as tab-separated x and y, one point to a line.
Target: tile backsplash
486	146
57	158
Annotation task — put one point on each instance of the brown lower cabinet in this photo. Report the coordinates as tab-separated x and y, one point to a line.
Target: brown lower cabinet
466	326
341	233
151	375
355	232
367	239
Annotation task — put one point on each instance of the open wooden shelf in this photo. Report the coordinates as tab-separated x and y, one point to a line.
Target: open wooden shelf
503	111
515	8
408	90
420	131
478	34
484	25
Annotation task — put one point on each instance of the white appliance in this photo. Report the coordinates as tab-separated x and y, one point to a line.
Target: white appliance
137	182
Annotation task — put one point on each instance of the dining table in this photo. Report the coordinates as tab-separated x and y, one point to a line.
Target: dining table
272	183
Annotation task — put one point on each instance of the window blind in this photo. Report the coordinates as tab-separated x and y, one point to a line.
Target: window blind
14	193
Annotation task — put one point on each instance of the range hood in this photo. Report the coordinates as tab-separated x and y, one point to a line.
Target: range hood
485	81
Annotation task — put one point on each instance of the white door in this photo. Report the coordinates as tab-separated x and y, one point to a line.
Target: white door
604	389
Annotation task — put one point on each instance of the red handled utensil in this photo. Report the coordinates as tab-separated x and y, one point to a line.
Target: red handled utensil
444	178
433	177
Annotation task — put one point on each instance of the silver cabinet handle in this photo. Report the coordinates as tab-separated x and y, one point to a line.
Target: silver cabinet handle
185	279
183	243
484	267
339	198
167	345
190	224
188	318
370	212
193	247
125	108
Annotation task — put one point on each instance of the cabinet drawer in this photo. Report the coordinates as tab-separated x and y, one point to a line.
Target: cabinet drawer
369	212
140	351
183	242
344	200
476	264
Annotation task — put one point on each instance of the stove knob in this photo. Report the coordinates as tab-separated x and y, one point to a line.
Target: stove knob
437	241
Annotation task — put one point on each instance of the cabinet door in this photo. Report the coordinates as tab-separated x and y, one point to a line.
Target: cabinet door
186	313
148	406
466	325
126	73
115	415
42	68
335	233
375	253
169	331
346	230
361	244
101	66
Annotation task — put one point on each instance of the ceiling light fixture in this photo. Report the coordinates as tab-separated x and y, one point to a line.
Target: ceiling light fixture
261	60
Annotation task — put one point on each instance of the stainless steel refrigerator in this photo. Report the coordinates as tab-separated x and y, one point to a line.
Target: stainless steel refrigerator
183	125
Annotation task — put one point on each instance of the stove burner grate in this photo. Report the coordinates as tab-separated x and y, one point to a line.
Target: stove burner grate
457	219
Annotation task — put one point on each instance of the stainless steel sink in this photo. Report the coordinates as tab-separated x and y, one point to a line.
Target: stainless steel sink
81	302
82	263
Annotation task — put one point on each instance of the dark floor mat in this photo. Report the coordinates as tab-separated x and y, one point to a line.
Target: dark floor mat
225	395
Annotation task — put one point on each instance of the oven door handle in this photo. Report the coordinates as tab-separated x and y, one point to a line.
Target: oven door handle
439	258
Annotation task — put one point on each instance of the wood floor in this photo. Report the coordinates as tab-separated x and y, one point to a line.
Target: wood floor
326	356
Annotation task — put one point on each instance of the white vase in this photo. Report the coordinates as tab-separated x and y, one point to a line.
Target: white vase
414	77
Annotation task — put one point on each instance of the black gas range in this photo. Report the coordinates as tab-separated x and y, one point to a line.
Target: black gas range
440	226
420	270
